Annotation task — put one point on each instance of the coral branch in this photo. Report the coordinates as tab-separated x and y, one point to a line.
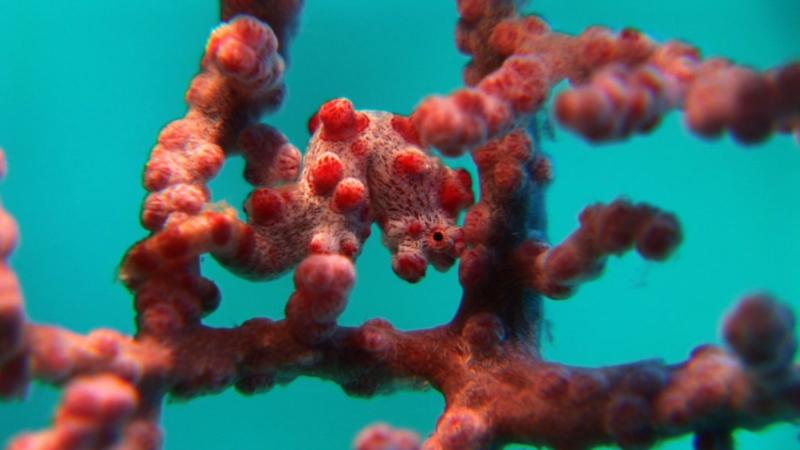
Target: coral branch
383	437
242	77
509	397
13	366
605	230
715	94
624	83
281	15
92	415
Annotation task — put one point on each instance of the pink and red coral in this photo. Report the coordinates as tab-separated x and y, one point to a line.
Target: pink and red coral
313	213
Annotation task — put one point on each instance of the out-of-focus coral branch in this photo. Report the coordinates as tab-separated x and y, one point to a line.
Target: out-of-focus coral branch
604	230
282	16
476	24
13	365
623	83
716	95
92	414
383	437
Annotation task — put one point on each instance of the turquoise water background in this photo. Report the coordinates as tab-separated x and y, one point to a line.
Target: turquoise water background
85	87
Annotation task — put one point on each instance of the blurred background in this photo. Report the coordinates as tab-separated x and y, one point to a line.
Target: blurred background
85	88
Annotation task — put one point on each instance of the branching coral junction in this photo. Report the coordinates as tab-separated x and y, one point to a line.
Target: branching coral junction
498	393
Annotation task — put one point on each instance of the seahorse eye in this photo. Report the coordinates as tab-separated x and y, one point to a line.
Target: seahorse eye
438	236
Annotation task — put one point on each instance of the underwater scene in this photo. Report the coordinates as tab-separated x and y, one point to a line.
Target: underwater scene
86	86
